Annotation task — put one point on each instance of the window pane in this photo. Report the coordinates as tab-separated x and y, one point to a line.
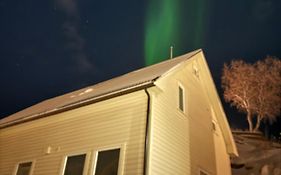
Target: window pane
181	99
107	163
24	168
75	165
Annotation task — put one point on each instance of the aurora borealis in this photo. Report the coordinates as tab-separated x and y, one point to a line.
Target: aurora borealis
173	23
161	29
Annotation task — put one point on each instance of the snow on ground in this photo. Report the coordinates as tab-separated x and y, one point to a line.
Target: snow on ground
257	155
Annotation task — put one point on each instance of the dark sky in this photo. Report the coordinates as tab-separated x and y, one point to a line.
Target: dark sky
51	47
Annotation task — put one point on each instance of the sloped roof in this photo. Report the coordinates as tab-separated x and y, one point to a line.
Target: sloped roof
130	80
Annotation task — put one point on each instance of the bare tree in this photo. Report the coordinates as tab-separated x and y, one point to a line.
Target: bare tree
268	87
239	88
254	89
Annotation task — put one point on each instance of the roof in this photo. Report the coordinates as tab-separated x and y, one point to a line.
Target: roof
136	79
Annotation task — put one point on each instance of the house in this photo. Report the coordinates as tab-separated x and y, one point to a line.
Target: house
163	119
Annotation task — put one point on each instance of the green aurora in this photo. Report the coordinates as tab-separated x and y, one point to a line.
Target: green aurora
165	27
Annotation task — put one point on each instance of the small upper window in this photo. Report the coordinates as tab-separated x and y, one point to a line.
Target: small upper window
75	165
107	162
181	99
24	168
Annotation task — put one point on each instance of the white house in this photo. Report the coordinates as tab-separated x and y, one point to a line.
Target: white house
163	119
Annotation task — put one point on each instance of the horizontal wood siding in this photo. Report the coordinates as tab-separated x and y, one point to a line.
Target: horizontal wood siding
182	143
169	149
201	134
222	158
110	123
216	112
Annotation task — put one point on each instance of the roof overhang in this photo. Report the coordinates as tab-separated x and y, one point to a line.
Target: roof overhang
81	103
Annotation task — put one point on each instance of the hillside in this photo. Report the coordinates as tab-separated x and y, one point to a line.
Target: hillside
257	155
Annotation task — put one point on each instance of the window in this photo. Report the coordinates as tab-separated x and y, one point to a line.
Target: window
75	165
24	168
107	162
181	99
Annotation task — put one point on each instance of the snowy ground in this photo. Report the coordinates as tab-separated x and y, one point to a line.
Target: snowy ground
257	156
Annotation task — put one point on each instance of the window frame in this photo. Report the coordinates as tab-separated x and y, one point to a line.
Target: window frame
180	86
120	162
25	161
86	163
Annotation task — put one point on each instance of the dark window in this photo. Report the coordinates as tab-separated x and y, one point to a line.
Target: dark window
181	99
24	168
107	163
75	165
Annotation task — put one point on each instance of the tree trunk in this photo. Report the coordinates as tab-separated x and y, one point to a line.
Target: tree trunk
250	121
258	123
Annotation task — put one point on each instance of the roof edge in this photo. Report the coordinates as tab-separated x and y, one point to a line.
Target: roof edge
78	104
178	65
226	130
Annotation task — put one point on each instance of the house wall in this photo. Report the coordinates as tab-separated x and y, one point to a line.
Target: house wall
181	143
222	158
117	122
221	132
169	139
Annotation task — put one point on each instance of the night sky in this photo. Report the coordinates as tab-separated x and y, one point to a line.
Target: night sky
51	47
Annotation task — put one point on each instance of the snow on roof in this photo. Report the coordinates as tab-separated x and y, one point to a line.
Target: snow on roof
133	79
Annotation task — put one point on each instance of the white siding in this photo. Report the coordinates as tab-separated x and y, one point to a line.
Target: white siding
182	143
222	158
169	134
201	134
114	122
